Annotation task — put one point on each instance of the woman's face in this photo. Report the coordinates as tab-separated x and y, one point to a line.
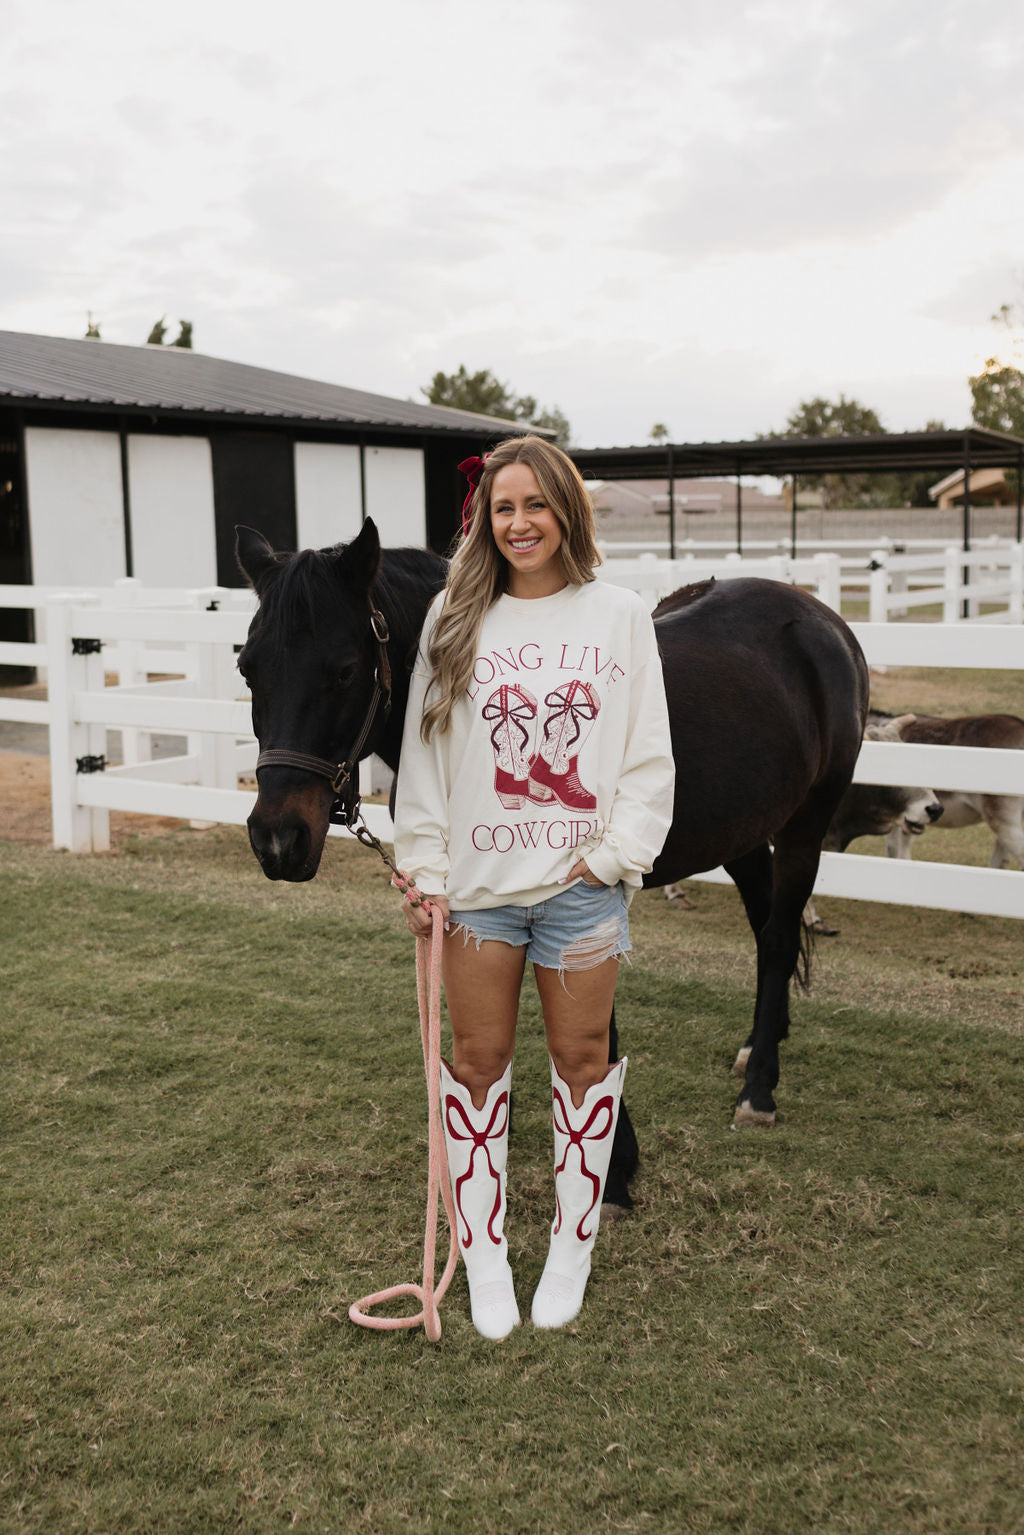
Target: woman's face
527	533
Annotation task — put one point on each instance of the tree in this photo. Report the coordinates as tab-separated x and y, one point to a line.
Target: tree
157	334
184	336
840	418
486	395
997	392
92	330
658	432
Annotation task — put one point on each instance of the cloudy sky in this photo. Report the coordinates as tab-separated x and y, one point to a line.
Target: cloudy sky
685	211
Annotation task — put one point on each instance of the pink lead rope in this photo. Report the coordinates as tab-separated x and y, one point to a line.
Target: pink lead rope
428	991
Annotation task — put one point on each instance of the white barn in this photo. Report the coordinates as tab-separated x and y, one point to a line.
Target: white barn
140	460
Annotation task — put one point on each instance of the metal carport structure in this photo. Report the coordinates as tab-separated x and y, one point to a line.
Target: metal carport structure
972	447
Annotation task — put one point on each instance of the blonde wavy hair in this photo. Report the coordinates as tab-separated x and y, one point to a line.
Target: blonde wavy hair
478	573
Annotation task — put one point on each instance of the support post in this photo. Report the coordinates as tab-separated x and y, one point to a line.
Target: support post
126	499
739	512
1020	489
965	611
792	523
671	505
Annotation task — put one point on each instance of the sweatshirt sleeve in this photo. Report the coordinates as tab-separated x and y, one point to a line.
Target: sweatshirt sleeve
424	787
641	811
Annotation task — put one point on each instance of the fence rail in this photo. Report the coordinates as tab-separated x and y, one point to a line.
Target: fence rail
204	703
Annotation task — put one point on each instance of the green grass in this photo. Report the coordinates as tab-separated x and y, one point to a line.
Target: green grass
213	1139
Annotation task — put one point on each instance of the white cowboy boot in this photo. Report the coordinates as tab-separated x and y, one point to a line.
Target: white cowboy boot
477	1144
583	1150
554	771
511	711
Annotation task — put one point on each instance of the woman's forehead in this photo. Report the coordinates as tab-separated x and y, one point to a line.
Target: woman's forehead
513	480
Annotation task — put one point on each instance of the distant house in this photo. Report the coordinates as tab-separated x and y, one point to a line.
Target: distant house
626	496
988	488
140	460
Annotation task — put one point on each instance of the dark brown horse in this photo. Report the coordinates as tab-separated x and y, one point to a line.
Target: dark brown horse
767	692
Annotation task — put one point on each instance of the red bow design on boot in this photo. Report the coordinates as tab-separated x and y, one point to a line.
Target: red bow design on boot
514	711
554	772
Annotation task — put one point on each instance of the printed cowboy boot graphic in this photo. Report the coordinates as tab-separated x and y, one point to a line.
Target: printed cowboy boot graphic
572	710
511	712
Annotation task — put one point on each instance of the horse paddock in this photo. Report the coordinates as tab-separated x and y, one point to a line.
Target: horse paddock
215	1140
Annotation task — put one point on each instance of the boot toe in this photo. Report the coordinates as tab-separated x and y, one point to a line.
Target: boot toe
494	1308
558	1299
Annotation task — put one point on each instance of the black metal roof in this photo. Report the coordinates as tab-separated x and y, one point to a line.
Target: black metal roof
72	374
804	455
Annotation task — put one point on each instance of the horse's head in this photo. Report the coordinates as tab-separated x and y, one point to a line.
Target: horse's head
309	661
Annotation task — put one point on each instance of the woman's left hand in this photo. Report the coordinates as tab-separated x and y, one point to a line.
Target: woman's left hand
581	870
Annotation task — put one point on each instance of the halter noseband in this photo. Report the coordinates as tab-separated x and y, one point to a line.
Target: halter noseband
339	774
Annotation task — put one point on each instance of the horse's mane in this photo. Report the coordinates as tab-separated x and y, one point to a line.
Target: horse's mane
683	597
304	583
407	576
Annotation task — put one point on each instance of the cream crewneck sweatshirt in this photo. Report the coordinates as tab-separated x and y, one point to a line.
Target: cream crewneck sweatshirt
559	750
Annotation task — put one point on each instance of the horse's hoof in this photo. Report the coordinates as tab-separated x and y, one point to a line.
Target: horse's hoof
739	1065
682	901
613	1213
746	1115
821	930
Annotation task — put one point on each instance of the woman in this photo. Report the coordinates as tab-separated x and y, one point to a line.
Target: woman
535	792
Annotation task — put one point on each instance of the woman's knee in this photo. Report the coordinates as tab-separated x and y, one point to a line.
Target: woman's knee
478	1063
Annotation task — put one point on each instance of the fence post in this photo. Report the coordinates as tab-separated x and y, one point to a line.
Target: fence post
951	582
878	587
1015	578
828	581
897	585
74	825
129	661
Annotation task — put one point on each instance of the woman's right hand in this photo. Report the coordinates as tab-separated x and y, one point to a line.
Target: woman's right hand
418	919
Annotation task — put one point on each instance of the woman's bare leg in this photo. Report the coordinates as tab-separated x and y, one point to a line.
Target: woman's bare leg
577	1012
482	987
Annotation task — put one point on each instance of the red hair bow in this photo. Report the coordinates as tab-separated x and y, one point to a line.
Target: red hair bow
471	468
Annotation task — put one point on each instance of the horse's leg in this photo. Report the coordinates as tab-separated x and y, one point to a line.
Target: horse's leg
794	867
625	1151
752	876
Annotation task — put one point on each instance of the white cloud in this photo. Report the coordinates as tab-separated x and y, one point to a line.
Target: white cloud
669	210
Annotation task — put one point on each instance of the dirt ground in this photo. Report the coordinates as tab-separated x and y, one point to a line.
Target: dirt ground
25	806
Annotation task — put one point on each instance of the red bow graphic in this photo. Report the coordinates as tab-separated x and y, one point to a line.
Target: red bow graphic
479	1139
576	1138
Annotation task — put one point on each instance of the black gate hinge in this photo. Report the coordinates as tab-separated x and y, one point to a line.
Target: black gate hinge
81	647
90	764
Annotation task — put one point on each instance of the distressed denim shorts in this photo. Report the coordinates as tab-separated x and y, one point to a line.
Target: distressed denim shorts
577	929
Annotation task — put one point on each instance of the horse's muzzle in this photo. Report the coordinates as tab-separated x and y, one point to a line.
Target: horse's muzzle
288	836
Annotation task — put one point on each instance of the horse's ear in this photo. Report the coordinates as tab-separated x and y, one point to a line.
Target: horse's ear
360	559
254	555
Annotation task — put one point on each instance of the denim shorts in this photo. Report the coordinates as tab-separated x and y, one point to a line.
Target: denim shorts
577	929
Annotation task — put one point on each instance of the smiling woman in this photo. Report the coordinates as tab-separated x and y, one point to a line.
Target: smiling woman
536	692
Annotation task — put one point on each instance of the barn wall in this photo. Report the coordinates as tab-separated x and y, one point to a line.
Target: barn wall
76	510
396	496
253	483
328	493
171	493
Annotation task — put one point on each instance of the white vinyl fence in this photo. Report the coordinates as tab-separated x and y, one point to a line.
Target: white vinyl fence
990	576
892	577
656	579
88	640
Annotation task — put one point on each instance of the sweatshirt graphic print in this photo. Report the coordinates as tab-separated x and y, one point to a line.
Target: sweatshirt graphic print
559	750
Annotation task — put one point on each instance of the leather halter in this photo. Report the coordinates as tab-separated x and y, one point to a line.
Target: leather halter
339	774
